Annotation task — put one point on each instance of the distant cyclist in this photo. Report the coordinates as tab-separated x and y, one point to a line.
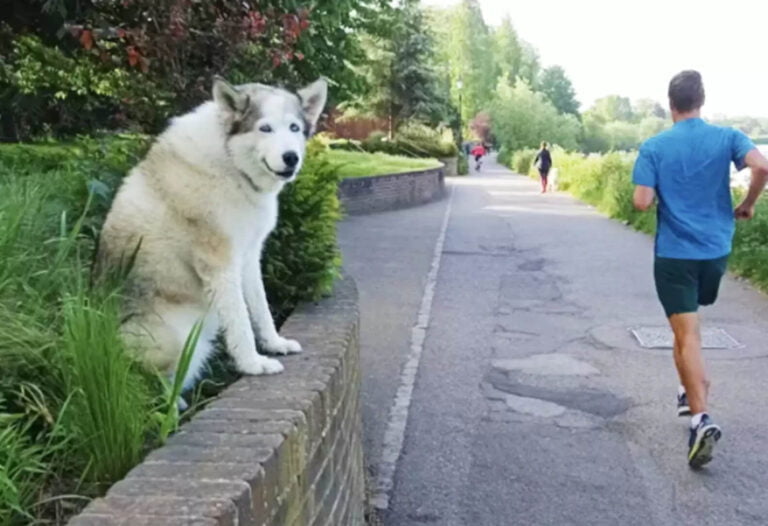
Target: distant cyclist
478	152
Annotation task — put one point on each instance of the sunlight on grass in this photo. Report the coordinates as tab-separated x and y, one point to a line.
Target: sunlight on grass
360	164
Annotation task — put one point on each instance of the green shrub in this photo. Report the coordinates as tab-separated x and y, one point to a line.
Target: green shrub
522	161
411	140
423	141
504	156
378	142
750	245
462	166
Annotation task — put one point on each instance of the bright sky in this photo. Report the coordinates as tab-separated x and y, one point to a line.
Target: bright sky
634	48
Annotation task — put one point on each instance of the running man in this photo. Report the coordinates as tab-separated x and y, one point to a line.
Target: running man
687	168
543	163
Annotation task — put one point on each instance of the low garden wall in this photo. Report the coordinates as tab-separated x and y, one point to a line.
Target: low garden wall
281	450
365	195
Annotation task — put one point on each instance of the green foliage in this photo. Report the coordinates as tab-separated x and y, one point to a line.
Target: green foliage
522	118
22	468
504	156
46	90
401	71
424	141
411	140
558	88
462	167
750	246
612	108
614	124
363	164
465	46
76	411
508	51
522	160
75	66
111	413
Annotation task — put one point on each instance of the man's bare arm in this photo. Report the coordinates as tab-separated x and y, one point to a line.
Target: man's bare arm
643	197
759	165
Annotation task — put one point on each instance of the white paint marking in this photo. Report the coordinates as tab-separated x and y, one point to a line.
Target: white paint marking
398	415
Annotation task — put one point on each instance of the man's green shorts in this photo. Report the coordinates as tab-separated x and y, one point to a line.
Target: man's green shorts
684	284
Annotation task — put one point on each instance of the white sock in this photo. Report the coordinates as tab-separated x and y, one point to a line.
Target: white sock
696	420
680	391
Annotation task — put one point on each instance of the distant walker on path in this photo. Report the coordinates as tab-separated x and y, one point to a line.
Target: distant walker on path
687	168
478	152
543	163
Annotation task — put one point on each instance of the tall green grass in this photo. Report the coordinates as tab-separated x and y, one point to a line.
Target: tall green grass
76	412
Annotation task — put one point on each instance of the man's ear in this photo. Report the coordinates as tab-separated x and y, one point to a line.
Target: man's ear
313	101
229	97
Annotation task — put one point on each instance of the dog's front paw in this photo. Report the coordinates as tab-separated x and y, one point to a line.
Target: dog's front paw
282	346
260	365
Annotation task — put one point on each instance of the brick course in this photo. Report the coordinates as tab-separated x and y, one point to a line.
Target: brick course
283	450
365	195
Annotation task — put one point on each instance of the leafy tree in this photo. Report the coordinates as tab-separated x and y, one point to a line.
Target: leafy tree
622	135
522	118
507	50
465	44
172	49
649	108
612	108
650	126
416	90
558	88
403	80
530	64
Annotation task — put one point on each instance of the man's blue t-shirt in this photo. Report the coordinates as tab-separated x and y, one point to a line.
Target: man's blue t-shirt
689	167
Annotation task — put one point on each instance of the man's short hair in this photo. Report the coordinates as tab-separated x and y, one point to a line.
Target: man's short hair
686	91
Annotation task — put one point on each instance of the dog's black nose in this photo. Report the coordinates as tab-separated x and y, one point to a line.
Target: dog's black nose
291	159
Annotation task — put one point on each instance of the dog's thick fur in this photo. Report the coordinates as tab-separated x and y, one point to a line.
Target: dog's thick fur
193	217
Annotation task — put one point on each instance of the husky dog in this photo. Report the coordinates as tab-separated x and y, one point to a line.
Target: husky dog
193	217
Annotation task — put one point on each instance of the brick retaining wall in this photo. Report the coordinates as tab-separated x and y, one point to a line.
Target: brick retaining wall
283	450
365	195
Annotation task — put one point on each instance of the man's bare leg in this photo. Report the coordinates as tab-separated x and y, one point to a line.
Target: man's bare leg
689	361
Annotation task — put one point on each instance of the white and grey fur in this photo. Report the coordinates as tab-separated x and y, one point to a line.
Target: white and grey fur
199	208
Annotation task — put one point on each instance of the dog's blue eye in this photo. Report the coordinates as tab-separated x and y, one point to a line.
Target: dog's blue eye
265	128
295	127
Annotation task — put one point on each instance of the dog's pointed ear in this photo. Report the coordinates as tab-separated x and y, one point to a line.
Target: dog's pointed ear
229	97
313	101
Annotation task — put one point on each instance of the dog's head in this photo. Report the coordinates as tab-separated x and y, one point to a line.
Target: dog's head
267	128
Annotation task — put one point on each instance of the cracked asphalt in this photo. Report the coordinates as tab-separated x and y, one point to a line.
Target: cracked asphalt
533	404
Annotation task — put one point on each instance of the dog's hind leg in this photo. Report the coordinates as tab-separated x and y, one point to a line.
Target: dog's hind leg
158	339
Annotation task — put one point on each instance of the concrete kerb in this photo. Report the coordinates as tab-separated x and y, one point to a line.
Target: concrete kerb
253	456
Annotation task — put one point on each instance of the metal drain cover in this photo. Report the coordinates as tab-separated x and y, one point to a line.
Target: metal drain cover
662	338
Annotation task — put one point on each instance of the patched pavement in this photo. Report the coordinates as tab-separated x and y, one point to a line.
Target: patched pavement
534	401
